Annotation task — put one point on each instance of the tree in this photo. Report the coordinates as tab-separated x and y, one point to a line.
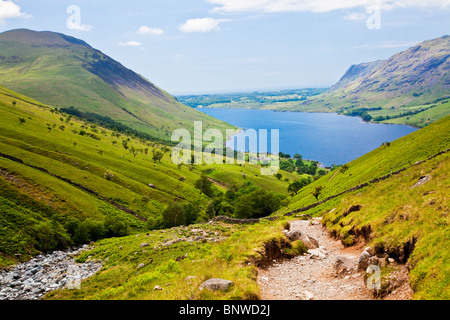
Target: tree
125	144
316	193
14	103
295	187
344	168
157	155
173	215
22	120
205	186
279	176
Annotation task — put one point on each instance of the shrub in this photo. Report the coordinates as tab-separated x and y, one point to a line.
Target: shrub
109	175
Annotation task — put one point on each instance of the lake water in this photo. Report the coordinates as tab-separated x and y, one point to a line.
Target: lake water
326	137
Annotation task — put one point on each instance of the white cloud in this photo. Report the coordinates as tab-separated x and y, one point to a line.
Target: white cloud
224	6
9	9
201	25
144	30
355	16
131	43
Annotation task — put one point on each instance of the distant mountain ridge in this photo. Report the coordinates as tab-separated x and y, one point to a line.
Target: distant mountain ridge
417	75
63	71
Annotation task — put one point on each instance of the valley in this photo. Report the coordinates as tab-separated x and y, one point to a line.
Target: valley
87	181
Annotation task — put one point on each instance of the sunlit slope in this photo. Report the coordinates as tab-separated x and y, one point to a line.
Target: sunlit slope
63	71
68	168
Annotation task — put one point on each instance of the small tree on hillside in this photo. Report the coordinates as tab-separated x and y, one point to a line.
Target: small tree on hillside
205	186
157	155
316	193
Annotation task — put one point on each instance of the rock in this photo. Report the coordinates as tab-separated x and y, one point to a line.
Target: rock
152	186
157	288
343	264
370	251
309	242
143	245
141	265
391	260
293	235
217	284
316	254
363	261
422	180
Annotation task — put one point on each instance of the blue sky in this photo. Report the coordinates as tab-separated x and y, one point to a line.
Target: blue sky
207	46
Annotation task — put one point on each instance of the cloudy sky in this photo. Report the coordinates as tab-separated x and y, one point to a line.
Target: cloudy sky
205	46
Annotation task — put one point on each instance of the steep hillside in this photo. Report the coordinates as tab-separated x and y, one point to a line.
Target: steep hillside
63	71
64	180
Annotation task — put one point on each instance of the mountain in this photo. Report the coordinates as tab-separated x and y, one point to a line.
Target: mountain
418	75
63	71
415	82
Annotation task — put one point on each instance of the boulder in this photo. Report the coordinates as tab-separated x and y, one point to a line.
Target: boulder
316	254
343	264
293	235
217	284
363	261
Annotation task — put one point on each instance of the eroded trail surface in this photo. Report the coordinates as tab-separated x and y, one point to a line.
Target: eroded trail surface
315	276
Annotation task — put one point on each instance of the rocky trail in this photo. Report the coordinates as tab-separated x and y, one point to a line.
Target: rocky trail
329	272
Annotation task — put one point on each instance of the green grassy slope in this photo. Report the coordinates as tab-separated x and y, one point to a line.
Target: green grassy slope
394	211
407	221
40	148
63	71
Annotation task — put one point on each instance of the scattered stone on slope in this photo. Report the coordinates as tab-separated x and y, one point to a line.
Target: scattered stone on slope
217	284
44	273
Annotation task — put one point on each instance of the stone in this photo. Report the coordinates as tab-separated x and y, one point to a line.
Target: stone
141	265
293	235
316	254
143	245
307	243
217	284
363	261
157	288
343	264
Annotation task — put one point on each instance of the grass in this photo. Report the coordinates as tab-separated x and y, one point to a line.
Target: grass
51	140
403	215
230	259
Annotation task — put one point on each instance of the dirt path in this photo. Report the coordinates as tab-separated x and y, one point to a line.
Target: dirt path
310	277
